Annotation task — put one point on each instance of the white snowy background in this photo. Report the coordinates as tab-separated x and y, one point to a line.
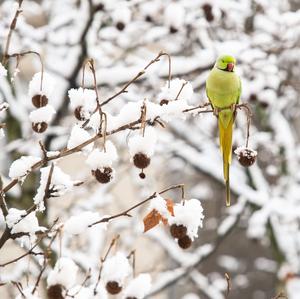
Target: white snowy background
256	241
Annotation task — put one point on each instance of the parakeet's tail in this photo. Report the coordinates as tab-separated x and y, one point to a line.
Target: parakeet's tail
226	148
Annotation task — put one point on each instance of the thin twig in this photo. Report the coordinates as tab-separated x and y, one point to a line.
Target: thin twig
112	243
179	92
21	54
10	32
126	212
280	295
132	254
229	286
138	75
30	251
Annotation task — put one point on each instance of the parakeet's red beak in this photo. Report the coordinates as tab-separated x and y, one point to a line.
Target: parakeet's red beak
230	67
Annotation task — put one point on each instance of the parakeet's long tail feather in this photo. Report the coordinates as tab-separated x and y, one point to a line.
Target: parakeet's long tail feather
226	148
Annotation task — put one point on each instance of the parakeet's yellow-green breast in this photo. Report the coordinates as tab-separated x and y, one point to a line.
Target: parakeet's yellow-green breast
223	88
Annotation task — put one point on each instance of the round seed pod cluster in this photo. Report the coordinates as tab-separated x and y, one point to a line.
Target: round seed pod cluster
41	117
208	13
115	271
55	292
61	278
82	102
101	162
40	95
188	217
141	149
246	156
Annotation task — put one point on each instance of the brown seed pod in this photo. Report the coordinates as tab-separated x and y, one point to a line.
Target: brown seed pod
103	175
39	127
39	100
120	26
141	160
207	8
173	30
185	242
246	157
113	287
164	102
55	292
178	231
142	175
78	113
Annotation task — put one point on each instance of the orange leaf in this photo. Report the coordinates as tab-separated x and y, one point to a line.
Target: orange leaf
151	220
170	206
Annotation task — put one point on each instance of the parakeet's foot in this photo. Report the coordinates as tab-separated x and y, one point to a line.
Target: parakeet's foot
216	111
233	107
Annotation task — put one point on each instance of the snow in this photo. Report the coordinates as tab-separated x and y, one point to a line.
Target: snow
122	14
43	114
78	224
143	144
18	222
190	296
3	71
245	152
78	136
47	88
159	204
190	214
138	287
170	93
22	166
81	292
85	98
174	15
28	294
116	268
64	273
60	184
99	159
2	134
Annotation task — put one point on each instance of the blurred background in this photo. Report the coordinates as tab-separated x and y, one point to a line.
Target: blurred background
257	240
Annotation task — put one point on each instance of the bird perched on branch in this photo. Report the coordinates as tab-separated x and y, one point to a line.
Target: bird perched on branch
223	88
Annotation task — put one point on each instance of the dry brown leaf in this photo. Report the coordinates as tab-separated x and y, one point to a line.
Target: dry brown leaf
154	217
151	220
170	206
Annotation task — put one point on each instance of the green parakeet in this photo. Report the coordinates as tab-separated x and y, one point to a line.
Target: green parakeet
223	88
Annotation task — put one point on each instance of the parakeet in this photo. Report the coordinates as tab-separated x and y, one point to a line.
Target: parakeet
223	88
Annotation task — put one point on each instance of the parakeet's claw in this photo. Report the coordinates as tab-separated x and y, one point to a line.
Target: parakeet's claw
233	107
216	111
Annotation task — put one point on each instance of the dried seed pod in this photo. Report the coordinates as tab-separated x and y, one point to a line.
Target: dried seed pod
39	127
103	175
185	242
39	100
113	287
142	175
78	113
178	231
246	156
55	292
207	8
120	26
164	102
141	160
173	30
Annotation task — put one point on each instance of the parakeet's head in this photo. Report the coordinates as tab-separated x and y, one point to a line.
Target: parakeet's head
225	63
